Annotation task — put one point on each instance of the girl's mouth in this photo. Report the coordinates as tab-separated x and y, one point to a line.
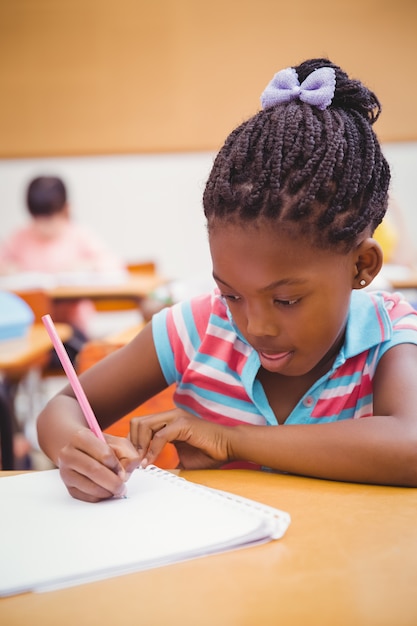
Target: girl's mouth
274	357
274	361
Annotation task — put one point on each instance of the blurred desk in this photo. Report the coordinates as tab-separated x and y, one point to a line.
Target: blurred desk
348	558
135	287
27	352
112	289
124	336
399	277
405	283
17	358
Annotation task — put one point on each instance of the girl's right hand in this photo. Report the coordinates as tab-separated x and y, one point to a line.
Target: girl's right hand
93	470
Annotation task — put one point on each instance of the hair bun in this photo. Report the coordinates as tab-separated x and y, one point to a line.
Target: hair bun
349	93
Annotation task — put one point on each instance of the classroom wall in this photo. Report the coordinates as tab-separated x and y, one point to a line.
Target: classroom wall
81	77
150	206
128	100
144	206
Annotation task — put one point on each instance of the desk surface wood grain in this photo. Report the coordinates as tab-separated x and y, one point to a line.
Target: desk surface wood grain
349	557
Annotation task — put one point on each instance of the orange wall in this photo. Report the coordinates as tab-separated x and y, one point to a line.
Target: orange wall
127	76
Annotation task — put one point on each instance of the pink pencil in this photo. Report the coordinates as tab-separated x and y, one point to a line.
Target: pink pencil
72	377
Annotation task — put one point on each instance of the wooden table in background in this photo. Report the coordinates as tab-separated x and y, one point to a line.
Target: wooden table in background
349	558
17	358
135	288
26	352
405	283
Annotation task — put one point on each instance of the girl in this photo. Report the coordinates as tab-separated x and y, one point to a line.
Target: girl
290	365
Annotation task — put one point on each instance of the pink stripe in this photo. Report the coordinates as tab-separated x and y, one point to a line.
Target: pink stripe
180	356
201	314
351	367
380	322
337	404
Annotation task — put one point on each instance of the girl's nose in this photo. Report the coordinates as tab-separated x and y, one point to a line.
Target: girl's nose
261	321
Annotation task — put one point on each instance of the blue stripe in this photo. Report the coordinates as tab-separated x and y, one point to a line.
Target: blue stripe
163	347
218	364
349	413
344	381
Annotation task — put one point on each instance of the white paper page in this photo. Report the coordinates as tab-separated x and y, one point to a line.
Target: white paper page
50	539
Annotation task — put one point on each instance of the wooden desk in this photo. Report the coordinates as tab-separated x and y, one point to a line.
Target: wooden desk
27	352
135	287
399	277
405	283
124	336
349	558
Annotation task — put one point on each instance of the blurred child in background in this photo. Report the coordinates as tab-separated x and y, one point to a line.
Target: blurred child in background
52	242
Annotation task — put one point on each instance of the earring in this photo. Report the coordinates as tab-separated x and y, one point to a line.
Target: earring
362	282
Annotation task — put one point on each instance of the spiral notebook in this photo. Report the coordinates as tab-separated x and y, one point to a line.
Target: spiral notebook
50	540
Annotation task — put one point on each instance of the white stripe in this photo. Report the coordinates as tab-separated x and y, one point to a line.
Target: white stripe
336	392
406	323
343	390
214	374
182	331
366	409
230	337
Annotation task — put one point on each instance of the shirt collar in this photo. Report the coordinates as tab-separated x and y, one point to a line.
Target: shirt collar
368	323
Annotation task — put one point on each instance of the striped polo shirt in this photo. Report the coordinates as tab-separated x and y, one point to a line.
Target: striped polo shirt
214	368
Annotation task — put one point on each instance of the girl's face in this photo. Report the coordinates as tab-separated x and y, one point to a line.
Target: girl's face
288	299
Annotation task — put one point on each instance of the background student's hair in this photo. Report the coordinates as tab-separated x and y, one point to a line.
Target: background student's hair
45	196
292	162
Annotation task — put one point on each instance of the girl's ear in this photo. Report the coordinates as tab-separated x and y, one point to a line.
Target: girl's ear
367	263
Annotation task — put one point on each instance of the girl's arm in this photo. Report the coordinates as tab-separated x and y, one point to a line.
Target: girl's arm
381	449
92	469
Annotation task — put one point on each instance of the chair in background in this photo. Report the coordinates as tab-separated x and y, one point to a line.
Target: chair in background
142	267
41	304
38	300
94	351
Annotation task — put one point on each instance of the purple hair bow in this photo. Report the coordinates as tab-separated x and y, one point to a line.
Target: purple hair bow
317	89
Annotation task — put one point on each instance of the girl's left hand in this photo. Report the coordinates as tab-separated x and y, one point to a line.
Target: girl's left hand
200	444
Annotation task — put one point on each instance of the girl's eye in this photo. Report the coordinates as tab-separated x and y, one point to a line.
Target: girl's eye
230	297
286	302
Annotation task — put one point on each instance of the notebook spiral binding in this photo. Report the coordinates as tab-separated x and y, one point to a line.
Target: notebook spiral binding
280	519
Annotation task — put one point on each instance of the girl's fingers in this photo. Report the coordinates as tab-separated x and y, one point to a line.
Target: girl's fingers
138	436
126	454
144	429
149	434
91	469
83	488
198	442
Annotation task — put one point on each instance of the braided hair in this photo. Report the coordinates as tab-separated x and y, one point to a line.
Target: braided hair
322	170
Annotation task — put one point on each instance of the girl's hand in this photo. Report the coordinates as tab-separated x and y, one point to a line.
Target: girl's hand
200	444
93	470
